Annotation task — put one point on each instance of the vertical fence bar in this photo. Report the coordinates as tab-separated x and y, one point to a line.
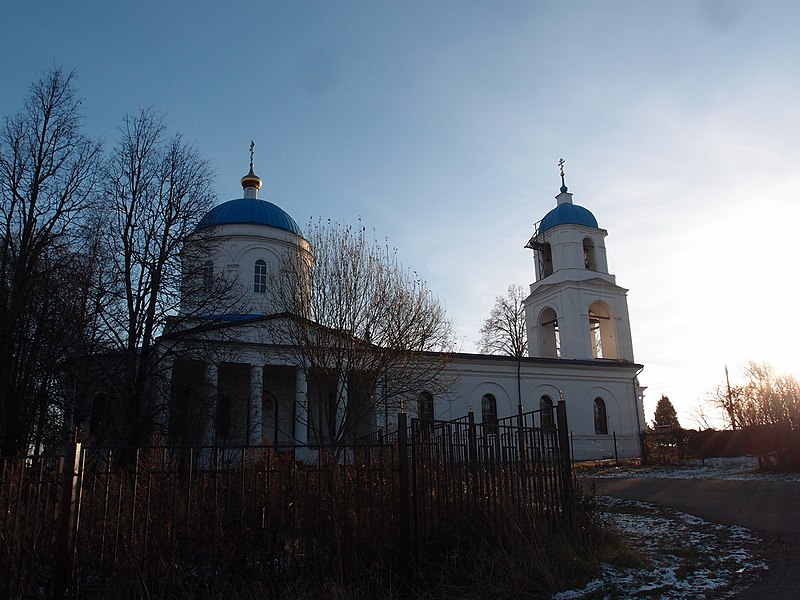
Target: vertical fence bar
565	460
472	439
405	500
473	469
443	470
67	519
135	490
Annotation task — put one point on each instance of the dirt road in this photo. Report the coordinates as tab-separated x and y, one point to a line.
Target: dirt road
771	508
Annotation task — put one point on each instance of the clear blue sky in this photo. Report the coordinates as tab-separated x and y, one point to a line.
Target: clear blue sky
440	125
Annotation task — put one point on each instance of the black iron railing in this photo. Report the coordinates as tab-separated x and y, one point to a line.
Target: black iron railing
71	522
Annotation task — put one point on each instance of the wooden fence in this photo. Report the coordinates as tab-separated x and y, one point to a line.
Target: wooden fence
71	523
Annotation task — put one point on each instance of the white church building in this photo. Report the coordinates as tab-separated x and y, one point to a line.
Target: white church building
578	329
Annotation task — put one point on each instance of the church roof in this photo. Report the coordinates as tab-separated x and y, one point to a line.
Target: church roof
249	211
567	214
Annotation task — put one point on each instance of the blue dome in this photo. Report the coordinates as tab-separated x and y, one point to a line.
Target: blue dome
567	214
249	211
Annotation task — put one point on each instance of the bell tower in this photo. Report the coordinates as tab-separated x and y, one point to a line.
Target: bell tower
575	309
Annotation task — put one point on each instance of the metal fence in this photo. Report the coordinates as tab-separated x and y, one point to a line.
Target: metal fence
71	523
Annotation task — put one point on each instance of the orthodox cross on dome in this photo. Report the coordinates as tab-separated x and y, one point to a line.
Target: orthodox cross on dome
251	182
561	166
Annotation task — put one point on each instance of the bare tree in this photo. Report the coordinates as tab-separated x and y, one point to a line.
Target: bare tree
769	398
729	400
48	171
367	333
765	398
504	331
699	415
158	190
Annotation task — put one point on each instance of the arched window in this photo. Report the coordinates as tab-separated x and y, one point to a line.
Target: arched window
546	406
601	332
260	277
489	413
425	406
588	254
208	276
549	339
547	258
600	417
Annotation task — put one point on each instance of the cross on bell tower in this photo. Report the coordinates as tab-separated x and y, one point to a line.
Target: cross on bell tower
575	310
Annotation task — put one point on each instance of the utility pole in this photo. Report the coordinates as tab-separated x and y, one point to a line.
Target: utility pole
731	411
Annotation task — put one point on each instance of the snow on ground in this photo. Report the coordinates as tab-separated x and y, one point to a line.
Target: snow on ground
684	556
740	468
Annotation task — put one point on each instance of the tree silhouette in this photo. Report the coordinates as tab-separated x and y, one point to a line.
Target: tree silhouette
363	323
665	416
48	172
504	331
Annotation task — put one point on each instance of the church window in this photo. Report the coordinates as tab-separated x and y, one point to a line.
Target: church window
549	337
547	258
208	276
489	414
588	255
546	408
260	277
600	417
425	406
425	414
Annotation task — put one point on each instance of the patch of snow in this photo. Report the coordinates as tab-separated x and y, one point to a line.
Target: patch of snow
687	557
739	468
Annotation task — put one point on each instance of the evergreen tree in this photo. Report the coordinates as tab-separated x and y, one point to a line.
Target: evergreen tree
665	416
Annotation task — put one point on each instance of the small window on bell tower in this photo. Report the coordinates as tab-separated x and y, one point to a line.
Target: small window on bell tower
547	258
589	260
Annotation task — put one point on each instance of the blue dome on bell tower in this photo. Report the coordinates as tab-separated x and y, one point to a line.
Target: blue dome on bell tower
567	213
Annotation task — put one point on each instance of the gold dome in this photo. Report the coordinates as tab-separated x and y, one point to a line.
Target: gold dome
251	180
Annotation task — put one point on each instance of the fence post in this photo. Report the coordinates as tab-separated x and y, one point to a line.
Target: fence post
522	427
472	438
563	432
616	453
566	459
70	504
643	443
405	496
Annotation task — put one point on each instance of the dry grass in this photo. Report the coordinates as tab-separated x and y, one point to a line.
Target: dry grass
311	532
483	557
